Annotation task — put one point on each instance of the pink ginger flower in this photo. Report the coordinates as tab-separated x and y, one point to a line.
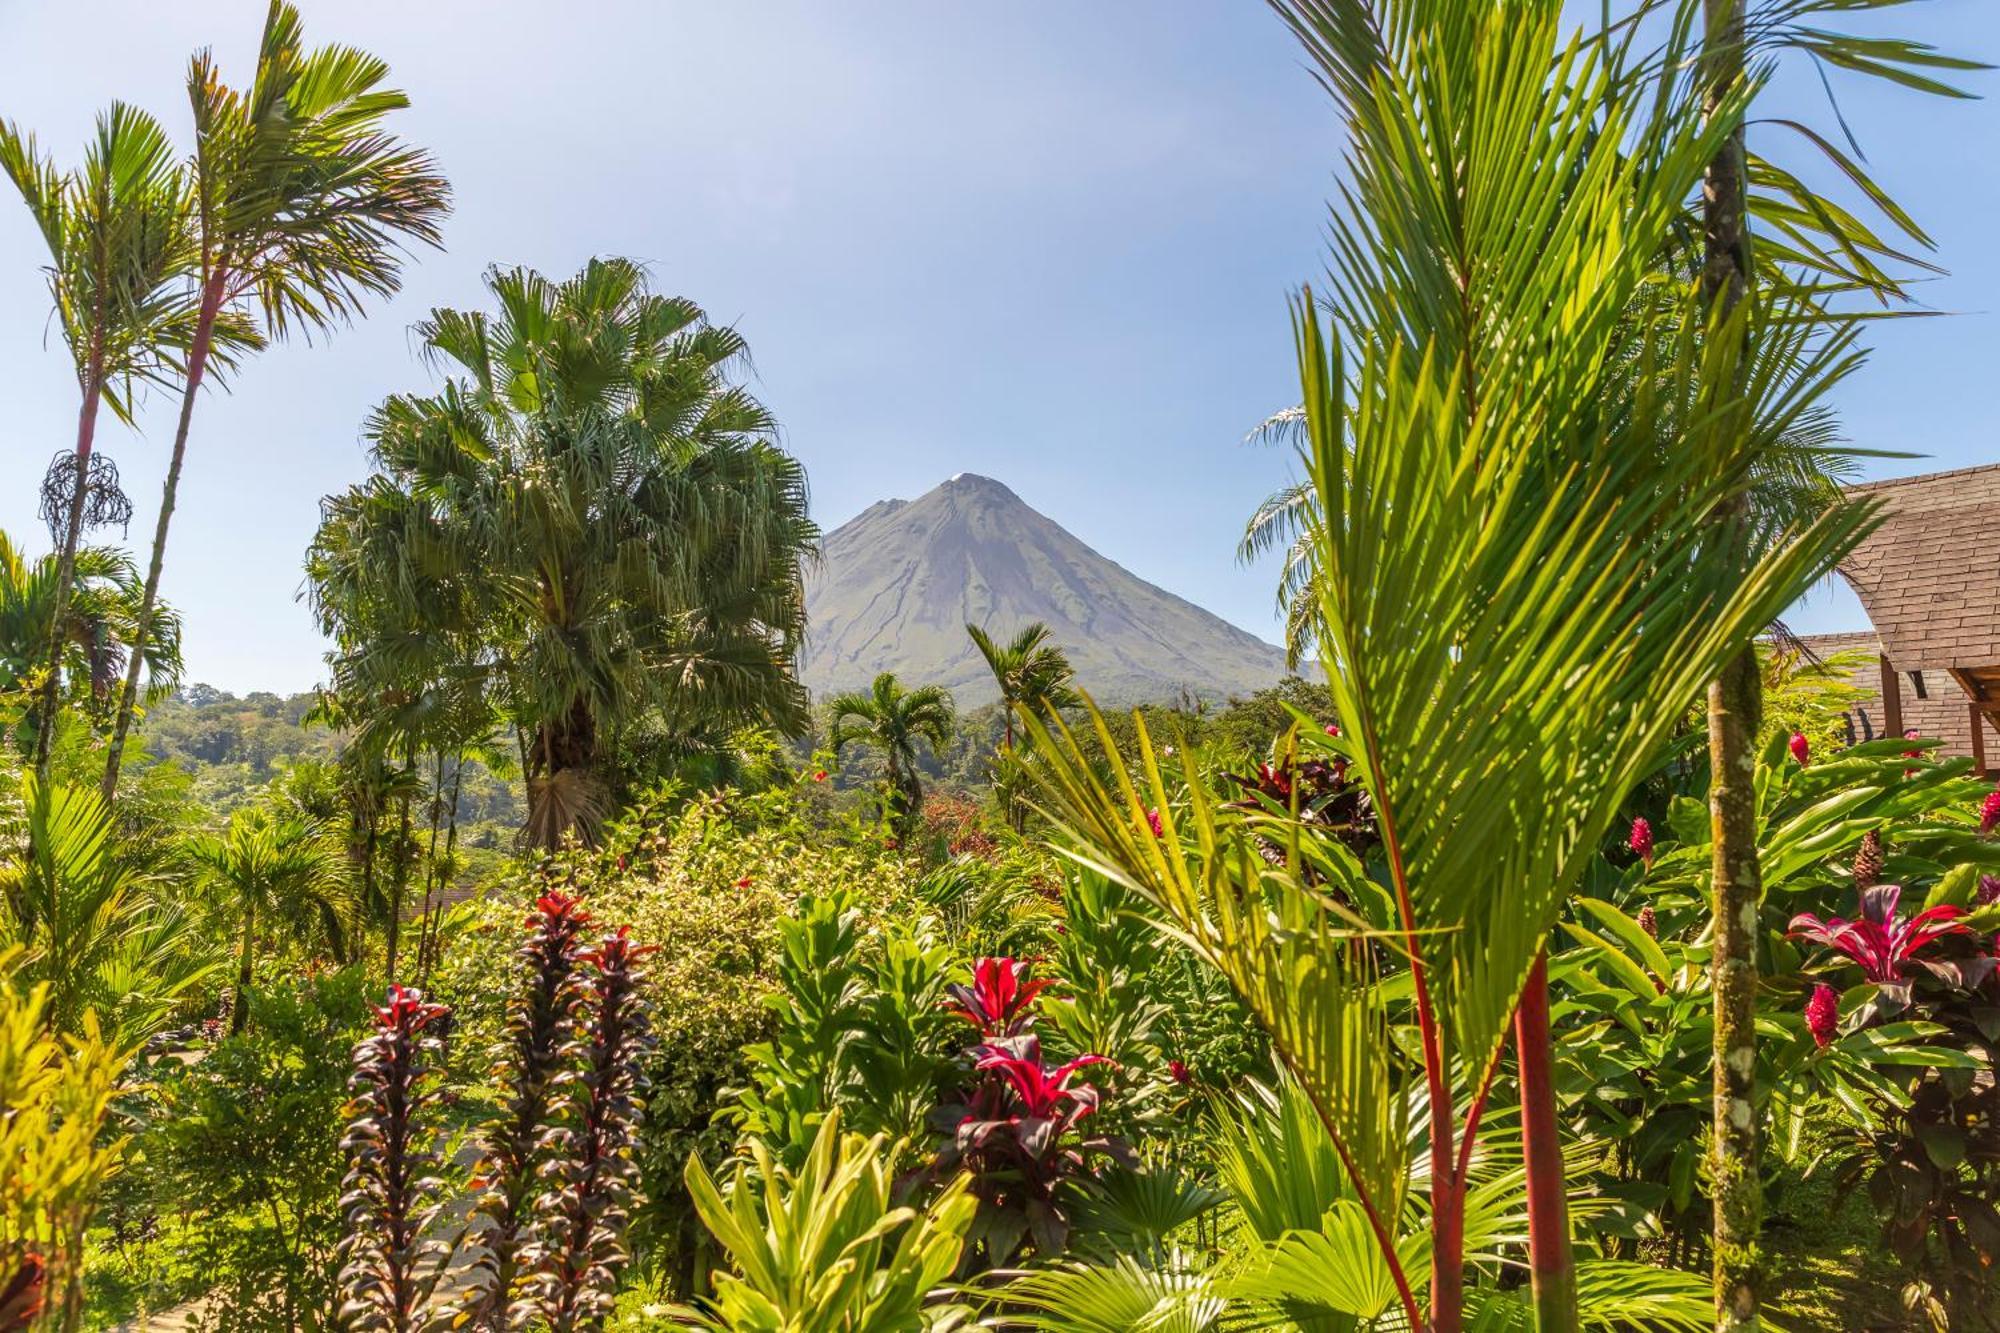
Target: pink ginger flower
1641	841
1155	823
1800	748
1989	812
1333	729
1181	1073
1823	1015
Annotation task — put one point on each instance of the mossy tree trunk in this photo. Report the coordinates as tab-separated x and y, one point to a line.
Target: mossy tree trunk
1735	705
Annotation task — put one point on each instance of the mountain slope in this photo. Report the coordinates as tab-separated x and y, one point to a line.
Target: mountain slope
902	578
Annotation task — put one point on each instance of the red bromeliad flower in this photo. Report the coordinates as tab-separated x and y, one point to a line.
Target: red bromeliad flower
1879	941
1823	1015
1641	841
997	1002
1989	812
1800	749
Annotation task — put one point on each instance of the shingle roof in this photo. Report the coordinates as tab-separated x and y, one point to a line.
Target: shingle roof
1941	713
1929	577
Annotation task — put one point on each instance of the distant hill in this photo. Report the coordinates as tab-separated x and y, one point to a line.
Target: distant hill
903	578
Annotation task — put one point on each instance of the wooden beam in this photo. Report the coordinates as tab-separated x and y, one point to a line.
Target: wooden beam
1892	700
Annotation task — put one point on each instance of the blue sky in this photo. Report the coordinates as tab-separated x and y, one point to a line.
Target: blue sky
1046	242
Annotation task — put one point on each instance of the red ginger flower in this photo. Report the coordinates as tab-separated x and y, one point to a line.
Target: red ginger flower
997	1002
1641	841
1801	750
819	775
1154	822
1822	1015
1180	1072
1989	812
1880	941
743	883
1333	729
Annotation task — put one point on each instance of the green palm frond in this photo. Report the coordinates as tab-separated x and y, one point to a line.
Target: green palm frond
1123	1296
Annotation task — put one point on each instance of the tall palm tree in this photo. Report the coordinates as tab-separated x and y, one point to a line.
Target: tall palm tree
893	720
1033	674
303	199
589	525
119	234
1520	582
86	636
279	869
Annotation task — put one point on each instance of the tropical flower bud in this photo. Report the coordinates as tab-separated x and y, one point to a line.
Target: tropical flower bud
1801	750
1823	1014
1641	841
1868	860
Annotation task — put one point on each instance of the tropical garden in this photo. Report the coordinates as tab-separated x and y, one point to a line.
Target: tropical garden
1543	955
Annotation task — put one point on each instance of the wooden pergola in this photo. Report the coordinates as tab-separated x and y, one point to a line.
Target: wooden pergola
1929	579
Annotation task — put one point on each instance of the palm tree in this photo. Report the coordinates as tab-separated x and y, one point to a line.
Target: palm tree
281	869
119	233
892	719
93	628
92	933
1033	674
1528	560
302	201
590	527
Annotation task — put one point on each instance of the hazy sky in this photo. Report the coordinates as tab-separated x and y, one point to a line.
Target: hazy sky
1046	242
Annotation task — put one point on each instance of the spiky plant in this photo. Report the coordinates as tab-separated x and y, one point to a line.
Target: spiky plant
541	1019
391	1262
580	1250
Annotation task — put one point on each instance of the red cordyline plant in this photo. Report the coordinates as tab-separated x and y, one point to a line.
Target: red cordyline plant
1000	1000
540	1021
22	1293
580	1246
390	1265
1882	943
1015	1129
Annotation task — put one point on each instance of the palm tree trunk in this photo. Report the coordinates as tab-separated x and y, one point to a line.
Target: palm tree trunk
402	882
1734	707
1549	1257
240	1014
86	434
128	700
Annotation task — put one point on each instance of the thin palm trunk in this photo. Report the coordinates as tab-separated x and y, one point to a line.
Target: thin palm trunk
240	1014
401	883
128	700
86	434
1735	705
1549	1257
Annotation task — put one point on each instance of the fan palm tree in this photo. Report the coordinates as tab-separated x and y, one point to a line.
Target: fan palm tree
281	870
303	199
1033	674
893	720
1528	559
590	526
93	628
119	234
